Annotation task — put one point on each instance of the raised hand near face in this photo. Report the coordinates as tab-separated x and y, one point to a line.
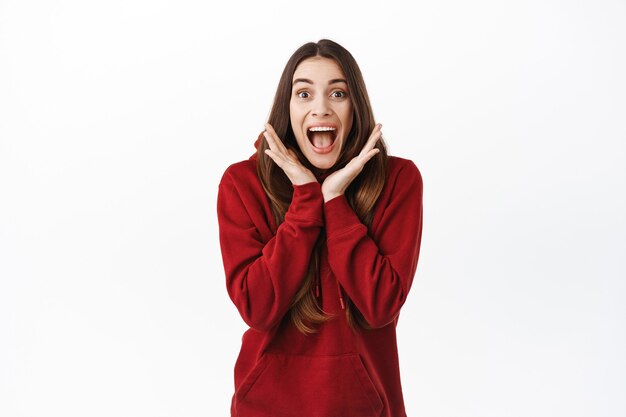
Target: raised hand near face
337	182
286	159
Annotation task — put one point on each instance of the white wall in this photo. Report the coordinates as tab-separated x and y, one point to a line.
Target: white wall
117	119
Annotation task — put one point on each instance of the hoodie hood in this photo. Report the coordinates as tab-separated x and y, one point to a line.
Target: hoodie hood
257	143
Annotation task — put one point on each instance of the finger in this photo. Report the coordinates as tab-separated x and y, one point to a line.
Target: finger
279	145
359	162
374	136
371	141
271	142
370	155
275	157
274	146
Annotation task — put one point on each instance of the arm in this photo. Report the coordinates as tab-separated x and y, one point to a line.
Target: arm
377	272
262	277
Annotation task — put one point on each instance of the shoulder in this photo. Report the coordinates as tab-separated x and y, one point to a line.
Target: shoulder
402	170
241	197
402	193
240	172
241	179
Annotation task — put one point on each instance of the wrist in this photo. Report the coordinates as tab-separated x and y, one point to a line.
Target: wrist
304	181
303	178
330	195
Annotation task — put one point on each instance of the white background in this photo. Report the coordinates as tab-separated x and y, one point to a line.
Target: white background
118	117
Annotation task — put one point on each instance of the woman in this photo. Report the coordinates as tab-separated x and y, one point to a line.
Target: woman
320	234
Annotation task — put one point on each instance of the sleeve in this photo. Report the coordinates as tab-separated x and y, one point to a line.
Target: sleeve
377	273
262	277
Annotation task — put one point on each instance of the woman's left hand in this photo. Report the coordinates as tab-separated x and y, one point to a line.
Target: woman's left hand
336	183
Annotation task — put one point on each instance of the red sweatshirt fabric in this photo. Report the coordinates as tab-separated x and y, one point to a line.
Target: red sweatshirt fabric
335	372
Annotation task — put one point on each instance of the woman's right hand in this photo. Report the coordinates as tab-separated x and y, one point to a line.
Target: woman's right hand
286	159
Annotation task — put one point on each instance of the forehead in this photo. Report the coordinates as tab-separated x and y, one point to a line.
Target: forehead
318	69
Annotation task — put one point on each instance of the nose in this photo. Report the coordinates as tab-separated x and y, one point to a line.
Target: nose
321	107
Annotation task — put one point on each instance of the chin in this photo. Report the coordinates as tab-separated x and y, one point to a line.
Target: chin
324	165
322	162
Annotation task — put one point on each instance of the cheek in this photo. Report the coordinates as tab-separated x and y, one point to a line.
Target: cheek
297	119
346	111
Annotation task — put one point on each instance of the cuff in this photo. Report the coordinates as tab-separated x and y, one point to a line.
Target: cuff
306	203
339	216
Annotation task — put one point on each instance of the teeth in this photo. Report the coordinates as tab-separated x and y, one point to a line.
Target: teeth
321	129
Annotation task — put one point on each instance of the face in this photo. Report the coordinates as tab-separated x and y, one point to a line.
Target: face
320	109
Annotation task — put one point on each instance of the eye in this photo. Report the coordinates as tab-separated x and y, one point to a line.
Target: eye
339	94
302	94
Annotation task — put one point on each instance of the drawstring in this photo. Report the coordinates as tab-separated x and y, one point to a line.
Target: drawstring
317	277
317	285
343	306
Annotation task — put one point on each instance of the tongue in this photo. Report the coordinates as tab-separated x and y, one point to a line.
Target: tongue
321	139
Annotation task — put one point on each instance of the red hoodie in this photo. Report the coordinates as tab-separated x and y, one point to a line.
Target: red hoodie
334	372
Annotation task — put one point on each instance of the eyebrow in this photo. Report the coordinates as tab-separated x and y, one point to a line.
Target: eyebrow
306	80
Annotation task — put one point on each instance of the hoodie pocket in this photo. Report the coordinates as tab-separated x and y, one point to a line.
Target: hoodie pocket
308	386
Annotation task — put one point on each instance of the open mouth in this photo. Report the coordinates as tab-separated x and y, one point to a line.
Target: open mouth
322	137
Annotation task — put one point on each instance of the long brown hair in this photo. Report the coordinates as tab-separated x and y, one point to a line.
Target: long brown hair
361	194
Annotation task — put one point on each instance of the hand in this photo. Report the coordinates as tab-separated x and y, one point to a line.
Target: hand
286	159
336	183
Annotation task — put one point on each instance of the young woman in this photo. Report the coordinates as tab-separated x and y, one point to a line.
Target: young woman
320	233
